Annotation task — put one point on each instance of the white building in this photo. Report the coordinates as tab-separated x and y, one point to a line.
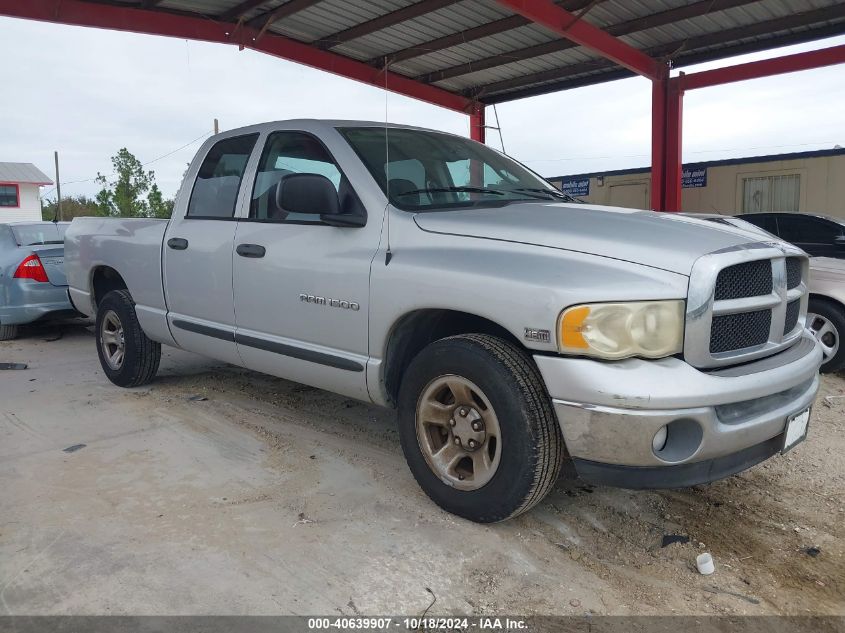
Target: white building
20	191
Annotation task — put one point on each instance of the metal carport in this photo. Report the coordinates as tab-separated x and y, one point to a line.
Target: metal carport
466	54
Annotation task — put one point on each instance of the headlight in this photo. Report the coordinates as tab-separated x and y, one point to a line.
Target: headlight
652	329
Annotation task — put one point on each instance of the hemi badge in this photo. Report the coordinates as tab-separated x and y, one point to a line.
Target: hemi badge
540	336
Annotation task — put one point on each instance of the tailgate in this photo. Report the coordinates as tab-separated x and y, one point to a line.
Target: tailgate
53	259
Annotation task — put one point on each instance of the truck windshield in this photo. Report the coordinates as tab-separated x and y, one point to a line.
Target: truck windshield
420	170
35	234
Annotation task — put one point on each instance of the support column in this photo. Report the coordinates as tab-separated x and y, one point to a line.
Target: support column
674	143
659	88
666	141
477	123
477	132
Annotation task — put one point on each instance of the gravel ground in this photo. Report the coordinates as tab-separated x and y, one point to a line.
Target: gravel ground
267	497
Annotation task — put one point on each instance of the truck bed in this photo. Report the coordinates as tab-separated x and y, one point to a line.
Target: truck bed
130	246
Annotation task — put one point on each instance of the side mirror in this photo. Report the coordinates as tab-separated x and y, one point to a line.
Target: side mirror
313	194
839	240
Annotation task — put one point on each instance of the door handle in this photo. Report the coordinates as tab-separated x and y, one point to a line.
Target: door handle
250	250
177	243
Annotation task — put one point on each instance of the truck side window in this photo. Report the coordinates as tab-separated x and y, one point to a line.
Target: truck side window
290	152
215	192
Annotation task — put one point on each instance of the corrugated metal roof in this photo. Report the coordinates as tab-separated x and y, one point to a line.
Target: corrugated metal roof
484	51
23	172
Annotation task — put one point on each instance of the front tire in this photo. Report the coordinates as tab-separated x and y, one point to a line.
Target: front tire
128	357
826	320
477	427
8	332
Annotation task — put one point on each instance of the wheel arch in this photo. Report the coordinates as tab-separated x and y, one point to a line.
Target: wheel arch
824	297
104	279
414	330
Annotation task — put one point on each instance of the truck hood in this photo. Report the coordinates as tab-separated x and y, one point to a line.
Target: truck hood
661	240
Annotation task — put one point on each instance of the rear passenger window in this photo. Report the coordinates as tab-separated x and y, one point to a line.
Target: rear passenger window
216	188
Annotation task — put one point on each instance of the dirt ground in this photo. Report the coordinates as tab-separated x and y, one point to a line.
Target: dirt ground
220	491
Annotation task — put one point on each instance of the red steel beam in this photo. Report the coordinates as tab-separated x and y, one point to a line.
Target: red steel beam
572	27
478	124
659	92
764	68
674	141
135	20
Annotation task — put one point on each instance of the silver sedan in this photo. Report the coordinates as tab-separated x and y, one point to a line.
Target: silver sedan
32	274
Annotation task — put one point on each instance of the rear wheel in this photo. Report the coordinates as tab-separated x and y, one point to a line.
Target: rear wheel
478	429
128	357
8	332
826	320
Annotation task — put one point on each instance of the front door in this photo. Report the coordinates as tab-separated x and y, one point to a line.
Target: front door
198	253
301	287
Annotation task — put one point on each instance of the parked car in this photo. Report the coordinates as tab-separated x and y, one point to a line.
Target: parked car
33	285
826	308
510	327
818	235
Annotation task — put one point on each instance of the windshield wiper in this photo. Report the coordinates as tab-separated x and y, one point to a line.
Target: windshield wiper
451	190
550	193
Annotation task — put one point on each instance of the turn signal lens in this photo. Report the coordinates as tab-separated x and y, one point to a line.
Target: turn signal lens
31	268
651	329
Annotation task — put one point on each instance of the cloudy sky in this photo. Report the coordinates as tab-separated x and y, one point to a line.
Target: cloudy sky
89	92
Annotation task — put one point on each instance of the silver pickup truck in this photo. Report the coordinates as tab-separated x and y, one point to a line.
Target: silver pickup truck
515	329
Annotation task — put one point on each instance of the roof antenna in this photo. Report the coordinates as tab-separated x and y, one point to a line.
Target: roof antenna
388	255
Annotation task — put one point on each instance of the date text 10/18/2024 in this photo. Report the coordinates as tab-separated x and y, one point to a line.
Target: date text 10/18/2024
418	623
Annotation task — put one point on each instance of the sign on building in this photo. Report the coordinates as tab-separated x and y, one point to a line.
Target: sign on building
694	178
576	186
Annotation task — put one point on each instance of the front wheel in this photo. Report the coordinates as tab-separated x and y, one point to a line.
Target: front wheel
826	320
128	357
477	427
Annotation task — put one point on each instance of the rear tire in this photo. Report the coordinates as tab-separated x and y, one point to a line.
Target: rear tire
826	321
128	357
457	396
8	332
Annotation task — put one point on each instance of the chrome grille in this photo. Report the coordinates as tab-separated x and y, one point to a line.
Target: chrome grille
793	272
793	311
750	279
744	303
736	331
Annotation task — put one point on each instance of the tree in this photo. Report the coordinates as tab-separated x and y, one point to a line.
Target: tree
159	207
132	192
72	207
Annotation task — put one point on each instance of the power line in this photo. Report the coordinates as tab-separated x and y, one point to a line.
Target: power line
149	162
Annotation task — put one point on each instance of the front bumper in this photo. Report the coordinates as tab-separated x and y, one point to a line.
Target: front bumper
24	301
720	422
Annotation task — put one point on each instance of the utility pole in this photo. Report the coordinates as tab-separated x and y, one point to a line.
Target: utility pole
58	186
216	127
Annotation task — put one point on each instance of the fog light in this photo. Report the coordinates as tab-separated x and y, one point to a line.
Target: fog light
659	441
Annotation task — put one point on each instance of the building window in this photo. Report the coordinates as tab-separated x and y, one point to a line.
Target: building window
9	196
771	193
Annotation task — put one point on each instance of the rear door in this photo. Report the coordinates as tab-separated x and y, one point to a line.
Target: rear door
197	251
301	286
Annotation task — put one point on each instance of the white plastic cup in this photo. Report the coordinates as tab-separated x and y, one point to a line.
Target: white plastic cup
705	564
